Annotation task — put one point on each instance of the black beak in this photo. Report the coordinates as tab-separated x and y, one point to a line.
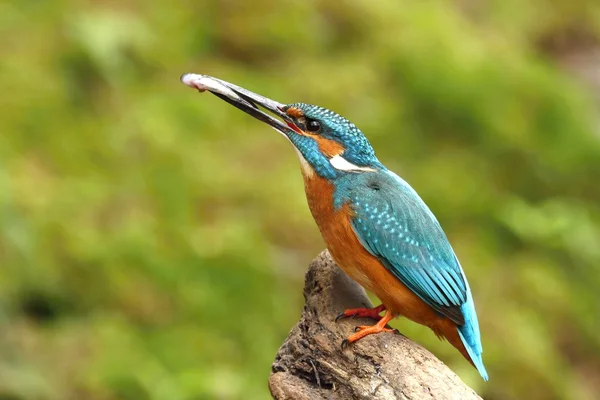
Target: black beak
243	99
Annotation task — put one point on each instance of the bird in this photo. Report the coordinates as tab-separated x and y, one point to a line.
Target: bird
374	224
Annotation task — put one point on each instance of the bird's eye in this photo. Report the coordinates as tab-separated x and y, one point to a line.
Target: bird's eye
313	126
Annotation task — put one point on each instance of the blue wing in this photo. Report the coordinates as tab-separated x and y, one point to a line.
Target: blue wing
396	226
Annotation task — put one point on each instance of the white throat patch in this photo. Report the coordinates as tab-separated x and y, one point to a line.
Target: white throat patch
307	169
340	163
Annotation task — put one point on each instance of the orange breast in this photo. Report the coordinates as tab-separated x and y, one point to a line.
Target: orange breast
356	261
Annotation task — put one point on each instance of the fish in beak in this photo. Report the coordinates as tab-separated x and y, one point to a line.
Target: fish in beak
247	101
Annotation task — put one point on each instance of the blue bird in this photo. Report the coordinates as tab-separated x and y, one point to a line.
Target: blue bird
376	227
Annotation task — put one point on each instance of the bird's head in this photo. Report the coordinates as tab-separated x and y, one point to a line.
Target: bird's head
327	143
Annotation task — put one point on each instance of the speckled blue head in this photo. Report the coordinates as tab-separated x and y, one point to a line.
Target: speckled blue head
331	144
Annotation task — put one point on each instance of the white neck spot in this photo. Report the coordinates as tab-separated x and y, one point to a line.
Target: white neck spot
340	163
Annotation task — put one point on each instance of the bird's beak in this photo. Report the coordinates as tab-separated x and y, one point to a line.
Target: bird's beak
245	100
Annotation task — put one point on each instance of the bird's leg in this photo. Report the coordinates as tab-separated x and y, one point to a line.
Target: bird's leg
362	313
363	331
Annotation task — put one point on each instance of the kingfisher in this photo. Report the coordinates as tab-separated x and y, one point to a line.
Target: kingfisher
375	225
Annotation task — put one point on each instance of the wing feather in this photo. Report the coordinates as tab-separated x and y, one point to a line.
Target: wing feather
395	225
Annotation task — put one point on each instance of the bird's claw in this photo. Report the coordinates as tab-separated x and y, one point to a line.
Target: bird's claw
362	313
345	344
340	316
386	329
362	331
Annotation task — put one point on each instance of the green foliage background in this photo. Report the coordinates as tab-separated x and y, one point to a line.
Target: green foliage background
153	240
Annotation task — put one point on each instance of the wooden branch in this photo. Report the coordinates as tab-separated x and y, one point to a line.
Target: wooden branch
310	364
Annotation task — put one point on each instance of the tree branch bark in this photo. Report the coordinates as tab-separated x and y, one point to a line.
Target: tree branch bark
311	365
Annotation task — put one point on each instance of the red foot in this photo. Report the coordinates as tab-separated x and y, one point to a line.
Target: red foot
362	313
368	330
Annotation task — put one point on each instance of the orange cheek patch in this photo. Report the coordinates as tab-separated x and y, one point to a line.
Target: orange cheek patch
294	112
330	148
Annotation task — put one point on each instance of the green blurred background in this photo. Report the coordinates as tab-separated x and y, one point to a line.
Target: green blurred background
153	241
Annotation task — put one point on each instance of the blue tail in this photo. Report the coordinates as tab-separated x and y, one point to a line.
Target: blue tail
469	334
